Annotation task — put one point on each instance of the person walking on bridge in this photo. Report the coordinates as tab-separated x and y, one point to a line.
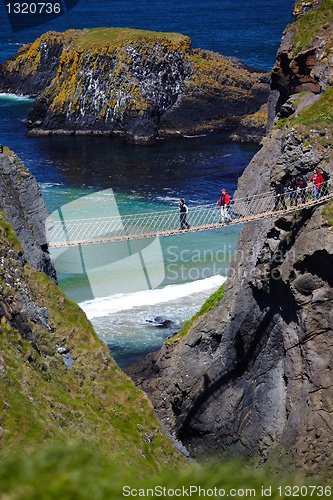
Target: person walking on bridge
292	188
183	212
326	178
318	181
301	186
224	203
280	202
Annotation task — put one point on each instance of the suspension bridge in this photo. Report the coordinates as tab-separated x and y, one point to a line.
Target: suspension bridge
66	233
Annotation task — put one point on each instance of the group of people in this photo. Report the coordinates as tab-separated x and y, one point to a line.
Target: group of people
296	189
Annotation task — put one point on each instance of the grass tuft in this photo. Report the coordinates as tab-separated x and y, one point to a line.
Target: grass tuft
208	306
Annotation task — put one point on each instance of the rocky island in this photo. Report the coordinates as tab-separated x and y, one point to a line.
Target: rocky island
135	83
254	375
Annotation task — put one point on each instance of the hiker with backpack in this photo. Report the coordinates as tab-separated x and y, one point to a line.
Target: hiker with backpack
301	185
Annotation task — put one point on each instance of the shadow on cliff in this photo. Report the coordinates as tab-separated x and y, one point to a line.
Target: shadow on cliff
244	355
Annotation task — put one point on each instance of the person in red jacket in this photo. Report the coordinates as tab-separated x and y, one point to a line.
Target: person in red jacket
224	203
318	181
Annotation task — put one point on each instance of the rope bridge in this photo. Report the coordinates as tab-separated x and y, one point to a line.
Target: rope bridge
166	223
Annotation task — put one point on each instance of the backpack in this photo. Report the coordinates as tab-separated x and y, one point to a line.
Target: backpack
325	176
302	182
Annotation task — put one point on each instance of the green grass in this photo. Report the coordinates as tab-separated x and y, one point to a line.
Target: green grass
315	123
117	36
77	473
208	306
320	113
281	123
327	214
6	232
310	25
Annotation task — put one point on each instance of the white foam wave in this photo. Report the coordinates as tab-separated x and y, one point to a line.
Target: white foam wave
15	97
48	185
168	199
194	136
104	306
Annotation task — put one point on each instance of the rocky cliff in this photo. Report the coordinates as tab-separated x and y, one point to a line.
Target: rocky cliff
255	375
133	83
304	60
25	210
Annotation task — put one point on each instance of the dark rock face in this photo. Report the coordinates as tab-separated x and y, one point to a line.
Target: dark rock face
293	74
16	316
219	98
34	66
16	307
138	88
25	211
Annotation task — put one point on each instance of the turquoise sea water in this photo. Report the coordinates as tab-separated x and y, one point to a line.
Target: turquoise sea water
123	289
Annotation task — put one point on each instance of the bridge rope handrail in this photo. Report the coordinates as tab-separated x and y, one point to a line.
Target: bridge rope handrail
163	223
163	212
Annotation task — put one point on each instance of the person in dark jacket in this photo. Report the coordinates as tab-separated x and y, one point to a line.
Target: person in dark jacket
183	212
280	202
224	203
326	178
292	188
301	184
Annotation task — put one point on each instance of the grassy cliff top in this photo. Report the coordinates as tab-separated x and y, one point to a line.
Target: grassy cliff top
319	114
310	25
117	36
